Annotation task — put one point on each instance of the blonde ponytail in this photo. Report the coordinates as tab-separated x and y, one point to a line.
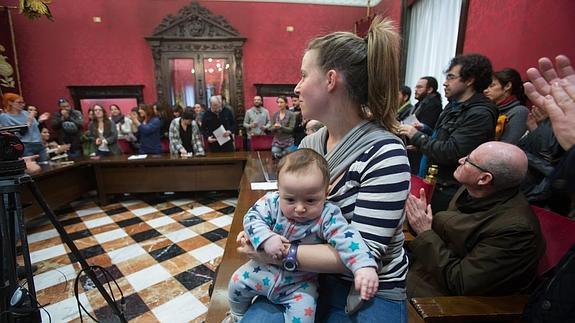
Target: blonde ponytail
383	49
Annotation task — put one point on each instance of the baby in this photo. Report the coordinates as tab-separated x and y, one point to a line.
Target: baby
297	214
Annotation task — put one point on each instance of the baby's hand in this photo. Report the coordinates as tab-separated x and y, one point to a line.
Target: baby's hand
274	246
366	282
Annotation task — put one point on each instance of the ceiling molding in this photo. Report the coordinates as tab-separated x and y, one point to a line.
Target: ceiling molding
350	3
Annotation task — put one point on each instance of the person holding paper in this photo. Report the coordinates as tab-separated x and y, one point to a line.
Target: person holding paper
215	118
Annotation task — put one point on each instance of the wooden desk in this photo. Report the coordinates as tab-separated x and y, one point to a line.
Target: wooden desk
231	259
165	173
59	186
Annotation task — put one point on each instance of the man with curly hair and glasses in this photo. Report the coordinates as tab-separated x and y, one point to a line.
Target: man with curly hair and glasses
466	122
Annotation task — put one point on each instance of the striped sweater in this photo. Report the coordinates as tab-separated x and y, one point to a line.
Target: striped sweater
371	195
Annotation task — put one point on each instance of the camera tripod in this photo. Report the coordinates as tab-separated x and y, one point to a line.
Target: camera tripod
17	303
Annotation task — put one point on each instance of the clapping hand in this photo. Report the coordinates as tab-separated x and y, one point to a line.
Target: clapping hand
44	117
553	89
418	212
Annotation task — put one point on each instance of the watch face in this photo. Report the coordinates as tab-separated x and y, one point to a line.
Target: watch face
289	265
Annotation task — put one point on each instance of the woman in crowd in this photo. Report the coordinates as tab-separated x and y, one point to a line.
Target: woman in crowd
53	150
506	91
177	111
14	115
282	128
147	125
199	111
185	137
343	77
103	135
163	113
123	124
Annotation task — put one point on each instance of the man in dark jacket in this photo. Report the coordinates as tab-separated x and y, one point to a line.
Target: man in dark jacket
466	122
488	242
67	123
214	118
428	106
426	110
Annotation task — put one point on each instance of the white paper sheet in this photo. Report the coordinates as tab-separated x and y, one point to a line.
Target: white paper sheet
219	134
264	186
411	119
137	157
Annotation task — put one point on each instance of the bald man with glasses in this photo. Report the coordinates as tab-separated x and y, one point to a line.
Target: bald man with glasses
488	242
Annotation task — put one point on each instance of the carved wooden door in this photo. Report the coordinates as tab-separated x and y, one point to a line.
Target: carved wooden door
196	55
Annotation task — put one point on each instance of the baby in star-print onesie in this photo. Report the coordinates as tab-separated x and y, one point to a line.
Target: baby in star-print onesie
297	213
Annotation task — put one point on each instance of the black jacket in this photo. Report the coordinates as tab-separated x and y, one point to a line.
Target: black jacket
427	111
460	129
212	121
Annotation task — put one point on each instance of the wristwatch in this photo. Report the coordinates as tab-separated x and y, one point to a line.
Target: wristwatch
290	261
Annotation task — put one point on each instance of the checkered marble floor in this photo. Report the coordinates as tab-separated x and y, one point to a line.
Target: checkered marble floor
162	251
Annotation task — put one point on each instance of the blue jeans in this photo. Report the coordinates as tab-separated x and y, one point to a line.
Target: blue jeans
331	307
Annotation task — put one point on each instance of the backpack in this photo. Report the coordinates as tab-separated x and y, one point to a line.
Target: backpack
554	298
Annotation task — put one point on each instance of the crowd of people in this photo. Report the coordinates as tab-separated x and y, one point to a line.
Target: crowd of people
483	105
148	129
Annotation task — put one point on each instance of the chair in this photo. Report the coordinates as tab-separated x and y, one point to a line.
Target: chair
239	141
261	142
125	147
165	145
418	183
559	234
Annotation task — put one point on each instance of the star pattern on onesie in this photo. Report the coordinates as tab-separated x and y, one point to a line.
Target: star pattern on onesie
354	246
266	281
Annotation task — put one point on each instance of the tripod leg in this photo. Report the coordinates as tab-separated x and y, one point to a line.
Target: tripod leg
9	283
64	235
19	219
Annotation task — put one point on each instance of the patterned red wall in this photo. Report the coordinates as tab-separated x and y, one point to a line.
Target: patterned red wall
73	50
515	33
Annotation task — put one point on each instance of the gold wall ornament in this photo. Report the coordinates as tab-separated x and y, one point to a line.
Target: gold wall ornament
6	71
35	8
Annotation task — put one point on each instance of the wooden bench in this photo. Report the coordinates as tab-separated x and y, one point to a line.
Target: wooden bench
231	259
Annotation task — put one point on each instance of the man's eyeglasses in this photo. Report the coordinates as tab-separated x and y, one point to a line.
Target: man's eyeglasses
451	77
479	167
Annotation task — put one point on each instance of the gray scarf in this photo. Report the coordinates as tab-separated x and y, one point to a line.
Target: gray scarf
354	143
